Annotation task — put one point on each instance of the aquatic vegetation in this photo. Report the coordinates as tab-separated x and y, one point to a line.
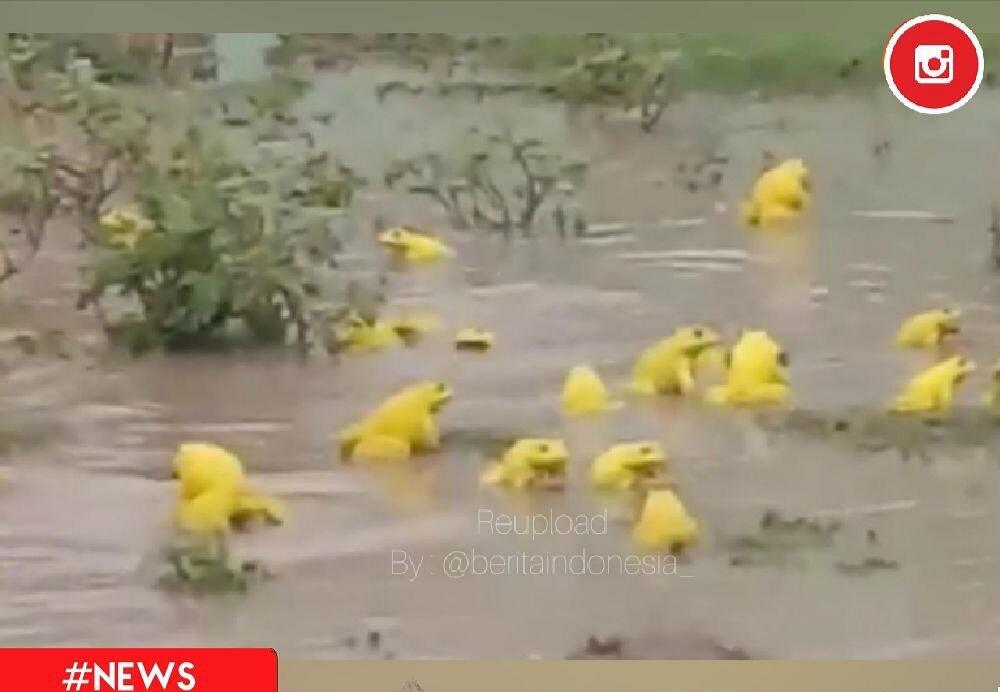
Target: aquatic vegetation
529	462
619	75
670	365
862	430
402	424
664	523
932	390
781	541
755	373
194	570
229	253
628	464
496	181
43	179
928	329
585	393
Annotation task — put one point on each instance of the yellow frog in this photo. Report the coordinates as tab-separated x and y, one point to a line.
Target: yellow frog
413	246
584	393
933	389
780	194
626	464
664	524
669	366
928	329
359	335
527	462
213	491
402	424
756	373
123	227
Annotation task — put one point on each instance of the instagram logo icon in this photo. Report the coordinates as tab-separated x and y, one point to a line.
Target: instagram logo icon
933	64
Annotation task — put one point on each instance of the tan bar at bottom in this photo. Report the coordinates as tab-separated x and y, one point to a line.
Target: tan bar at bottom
639	676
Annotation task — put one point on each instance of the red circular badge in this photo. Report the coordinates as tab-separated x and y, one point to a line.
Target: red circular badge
934	64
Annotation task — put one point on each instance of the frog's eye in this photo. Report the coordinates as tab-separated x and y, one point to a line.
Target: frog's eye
646	450
698	333
543	448
441	387
783	359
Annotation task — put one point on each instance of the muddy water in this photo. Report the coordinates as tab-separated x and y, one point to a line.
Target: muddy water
81	518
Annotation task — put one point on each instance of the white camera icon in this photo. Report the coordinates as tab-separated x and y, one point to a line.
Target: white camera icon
934	64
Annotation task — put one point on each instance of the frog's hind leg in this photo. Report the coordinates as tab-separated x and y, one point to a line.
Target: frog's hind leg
428	437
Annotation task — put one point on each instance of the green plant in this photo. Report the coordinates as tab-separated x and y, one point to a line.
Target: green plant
620	76
494	180
230	254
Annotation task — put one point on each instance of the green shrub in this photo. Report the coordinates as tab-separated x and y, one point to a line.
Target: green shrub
229	255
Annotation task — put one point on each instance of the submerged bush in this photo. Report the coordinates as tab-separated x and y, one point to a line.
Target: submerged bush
227	254
493	180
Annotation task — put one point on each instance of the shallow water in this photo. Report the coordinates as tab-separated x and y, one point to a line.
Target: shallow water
81	517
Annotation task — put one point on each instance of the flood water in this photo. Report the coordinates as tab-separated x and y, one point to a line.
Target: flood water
83	515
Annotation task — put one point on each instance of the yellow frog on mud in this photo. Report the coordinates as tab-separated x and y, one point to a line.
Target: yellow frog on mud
670	365
401	425
528	462
755	374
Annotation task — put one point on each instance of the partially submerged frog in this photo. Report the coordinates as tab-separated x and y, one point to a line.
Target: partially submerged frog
358	335
403	424
628	464
213	496
664	523
756	373
933	390
529	462
781	194
928	329
669	366
413	246
585	393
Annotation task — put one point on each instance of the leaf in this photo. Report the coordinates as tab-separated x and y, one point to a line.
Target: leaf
113	268
205	298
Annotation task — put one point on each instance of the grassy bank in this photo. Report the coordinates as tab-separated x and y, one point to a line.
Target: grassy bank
782	63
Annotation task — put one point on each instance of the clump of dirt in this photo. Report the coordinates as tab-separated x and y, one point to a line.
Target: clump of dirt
658	647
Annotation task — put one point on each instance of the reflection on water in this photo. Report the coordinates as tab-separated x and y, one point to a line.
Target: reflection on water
81	517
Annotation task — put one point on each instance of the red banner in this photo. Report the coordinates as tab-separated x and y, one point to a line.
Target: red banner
139	670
